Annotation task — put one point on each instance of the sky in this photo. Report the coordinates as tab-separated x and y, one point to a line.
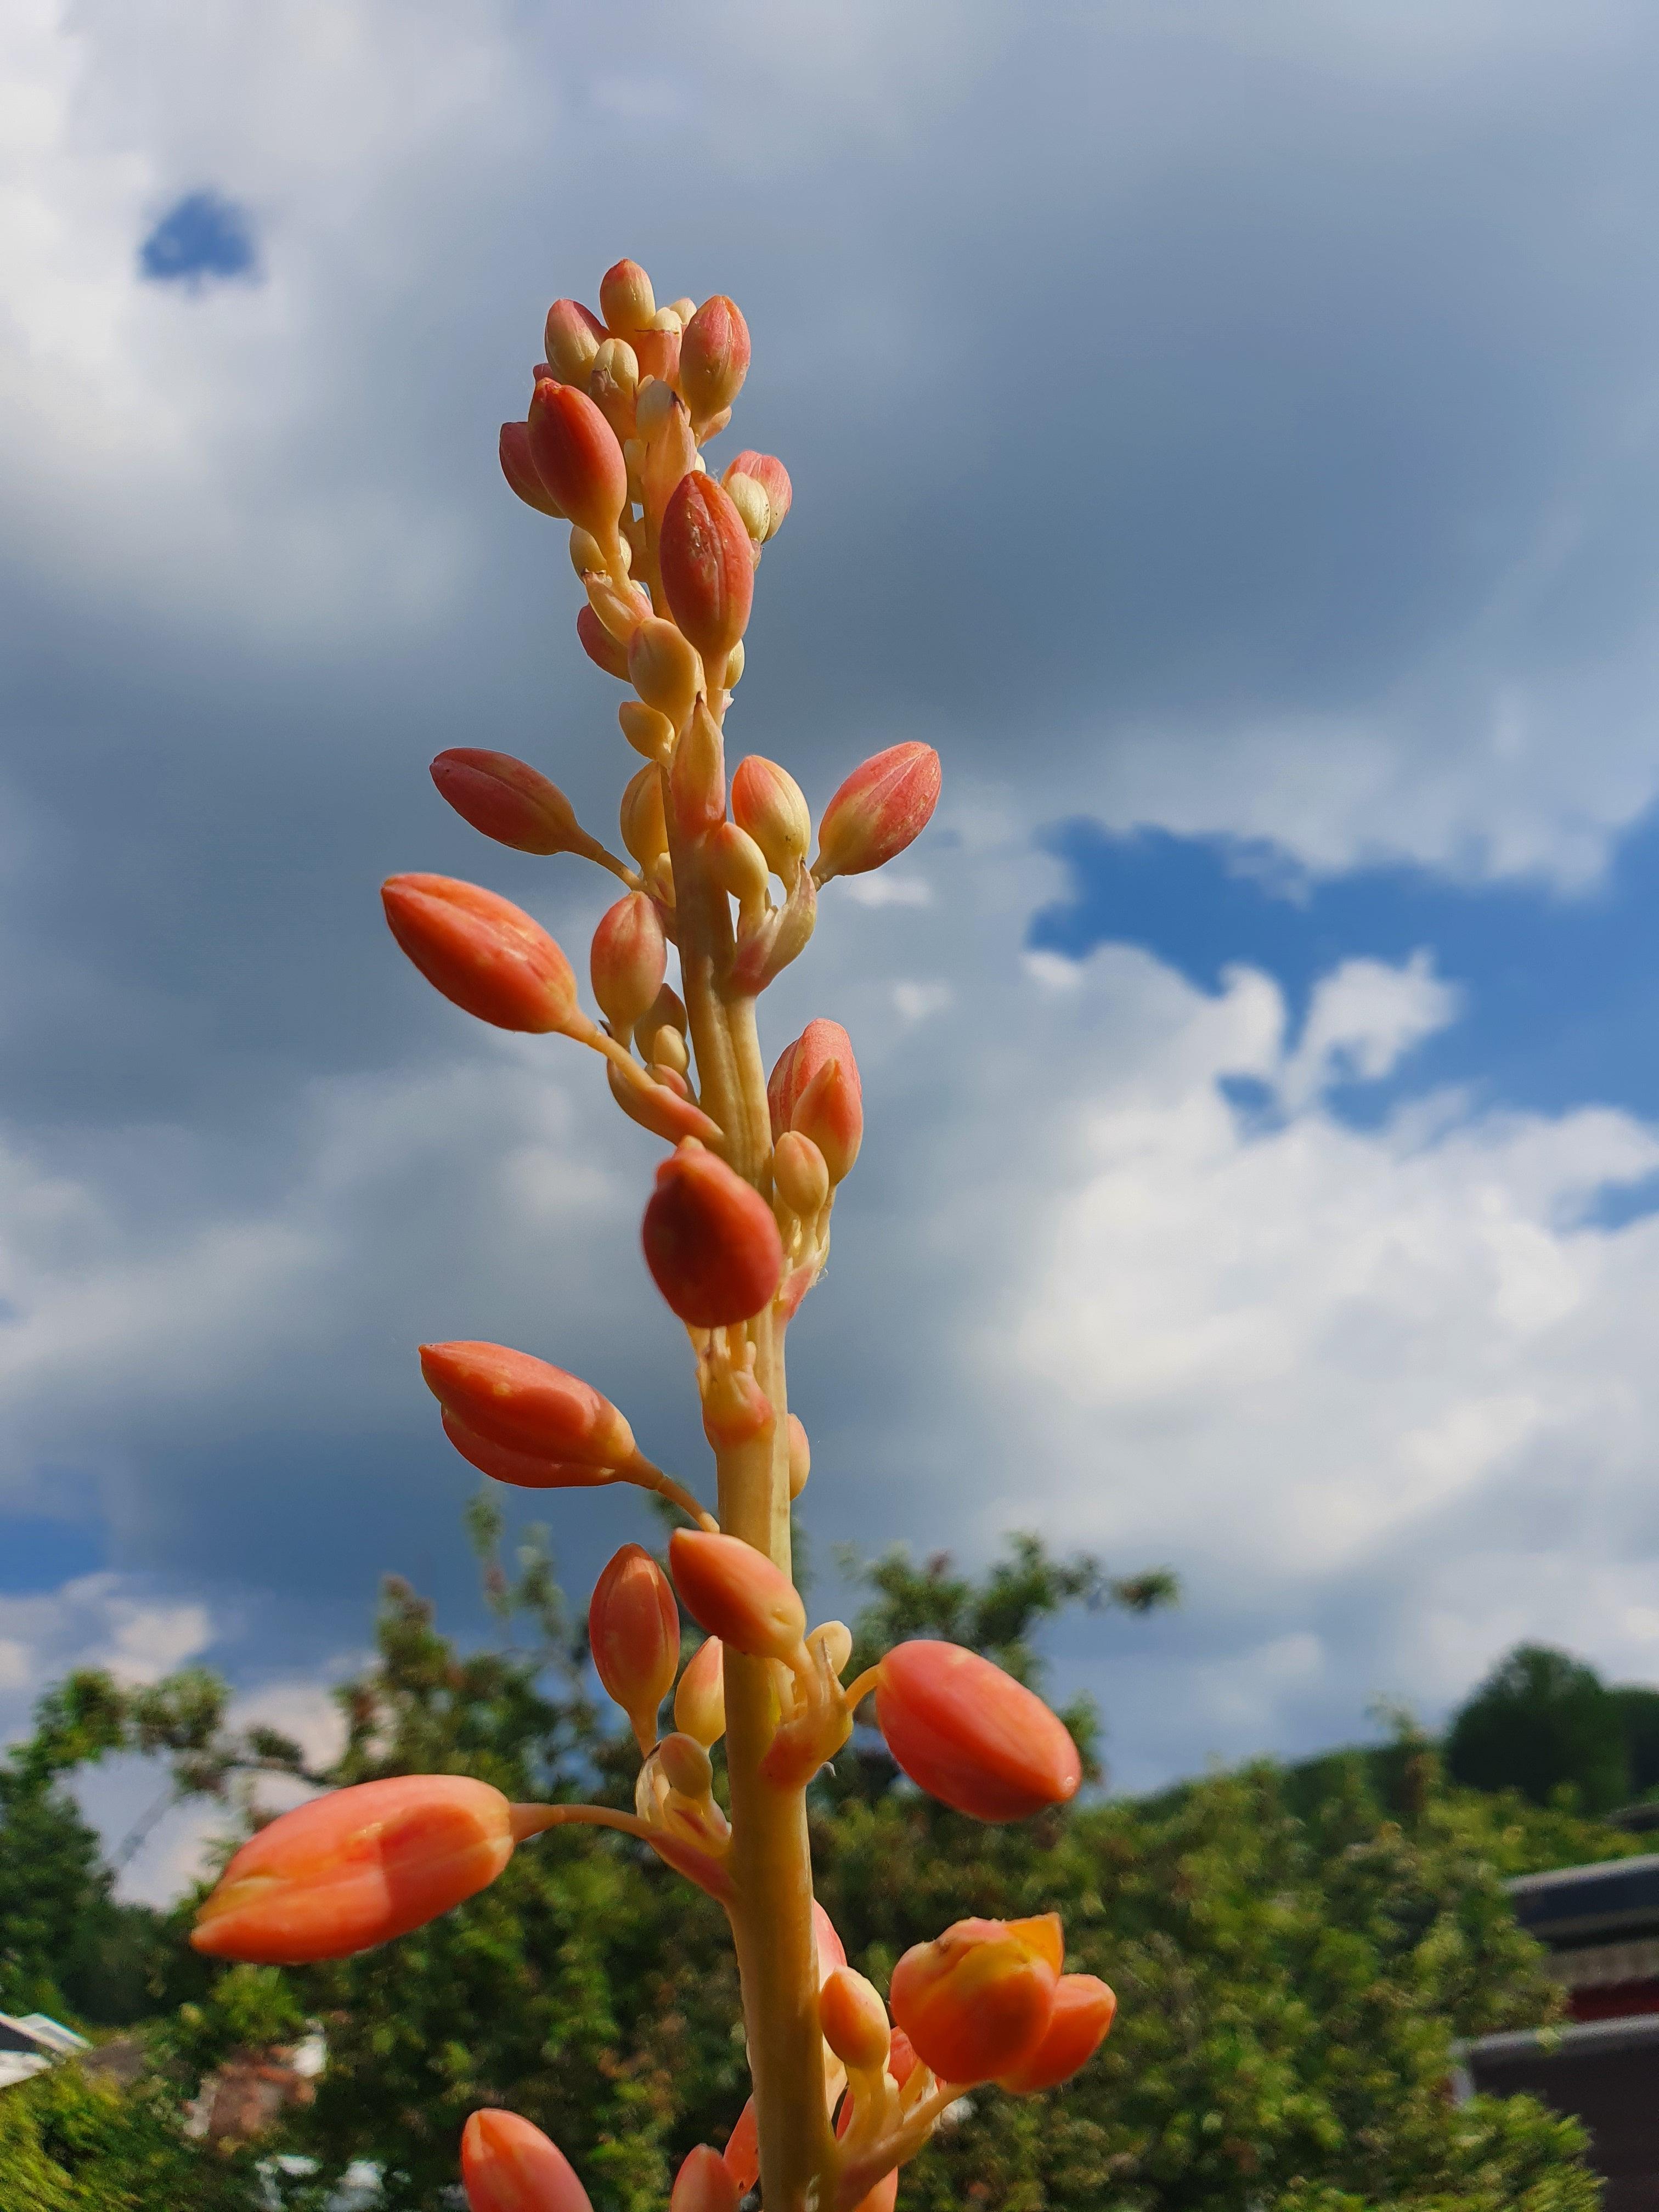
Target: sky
1231	436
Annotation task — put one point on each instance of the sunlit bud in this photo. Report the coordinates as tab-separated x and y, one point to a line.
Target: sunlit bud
902	2060
770	805
884	805
736	661
520	471
742	2151
800	1175
736	1593
626	301
508	2165
704	2183
683	308
800	1455
600	646
659	346
355	1869
750	498
483	952
700	1700
663	669
572	339
685	1765
665	1051
972	1736
621	608
714	357
1084	2007
832	1951
711	1243
769	473
611	383
669	1012
646	730
655	404
696	776
735	1409
588	555
644	828
833	1641
510	801
670	455
815	1088
633	1631
738	865
577	457
628	960
526	1404
976	2001
663	1107
523	1470
854	2019
708	570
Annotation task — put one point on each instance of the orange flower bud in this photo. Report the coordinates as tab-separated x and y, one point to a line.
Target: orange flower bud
508	2165
742	2152
854	2019
799	1173
601	648
700	1700
526	1404
976	2001
521	473
832	1951
612	382
355	1869
711	1241
1084	2008
663	669
815	1088
523	1470
800	1455
510	801
640	817
769	473
657	1104
648	731
630	959
634	1631
572	339
659	346
483	952
768	802
577	457
626	300
707	567
696	776
685	1765
972	1736
736	1593
621	608
902	2060
704	2183
884	805
714	357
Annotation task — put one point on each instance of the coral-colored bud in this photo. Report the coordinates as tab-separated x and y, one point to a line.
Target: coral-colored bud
1083	2013
700	1700
663	669
508	2165
815	1088
640	817
972	1736
749	496
705	2182
512	1399
578	458
510	801
521	473
742	2152
523	1470
707	567
800	1455
736	1593
611	384
768	802
659	346
735	1409
854	2019
769	473
830	1950
976	2001
483	952
884	805
800	1175
630	959
714	357
696	776
355	1869
902	2060
648	731
601	648
634	1631
572	339
626	300
711	1241
619	608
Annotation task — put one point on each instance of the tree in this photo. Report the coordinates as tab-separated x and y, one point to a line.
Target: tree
1638	1712
1542	1721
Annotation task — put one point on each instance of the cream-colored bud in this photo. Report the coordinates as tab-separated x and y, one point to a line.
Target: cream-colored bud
588	555
772	807
626	300
685	1765
644	829
685	309
738	864
620	612
654	405
800	1175
663	669
834	1642
749	496
646	730
667	1049
735	664
800	1455
612	382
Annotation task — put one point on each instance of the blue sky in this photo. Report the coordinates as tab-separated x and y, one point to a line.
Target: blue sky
1229	436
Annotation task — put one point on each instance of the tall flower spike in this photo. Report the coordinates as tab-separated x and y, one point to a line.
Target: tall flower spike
884	805
526	1404
508	2165
483	953
711	1241
634	1631
970	1734
976	2001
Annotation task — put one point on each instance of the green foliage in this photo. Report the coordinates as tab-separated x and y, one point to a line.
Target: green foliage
1639	1714
1543	1723
69	2144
